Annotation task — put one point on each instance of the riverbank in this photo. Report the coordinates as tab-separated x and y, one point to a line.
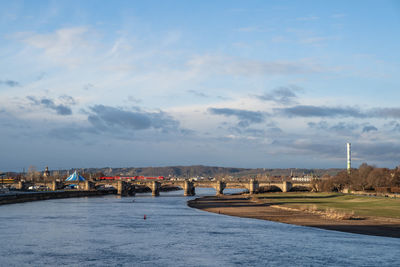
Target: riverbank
243	206
18	197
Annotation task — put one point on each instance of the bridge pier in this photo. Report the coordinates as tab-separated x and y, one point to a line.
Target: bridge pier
53	186
253	186
219	187
56	185
21	185
286	186
132	190
88	185
188	189
155	189
121	188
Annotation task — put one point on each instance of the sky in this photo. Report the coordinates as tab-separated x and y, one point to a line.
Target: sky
254	84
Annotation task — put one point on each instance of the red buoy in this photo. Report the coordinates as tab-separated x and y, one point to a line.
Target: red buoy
144	217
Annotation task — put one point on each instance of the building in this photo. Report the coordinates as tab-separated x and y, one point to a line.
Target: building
306	178
46	172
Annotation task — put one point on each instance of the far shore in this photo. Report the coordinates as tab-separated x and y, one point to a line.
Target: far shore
244	206
27	196
18	197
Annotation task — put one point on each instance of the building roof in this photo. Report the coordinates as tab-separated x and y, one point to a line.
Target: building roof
75	177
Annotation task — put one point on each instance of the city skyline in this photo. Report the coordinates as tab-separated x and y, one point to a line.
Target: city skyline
260	84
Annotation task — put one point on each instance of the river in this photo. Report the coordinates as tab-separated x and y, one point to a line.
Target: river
109	231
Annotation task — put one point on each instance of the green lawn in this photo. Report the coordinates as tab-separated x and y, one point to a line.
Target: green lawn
360	205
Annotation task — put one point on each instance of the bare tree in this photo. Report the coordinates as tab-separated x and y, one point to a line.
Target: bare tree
55	175
359	178
32	173
395	177
379	177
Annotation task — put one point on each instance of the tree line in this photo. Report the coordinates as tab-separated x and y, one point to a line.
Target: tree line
365	178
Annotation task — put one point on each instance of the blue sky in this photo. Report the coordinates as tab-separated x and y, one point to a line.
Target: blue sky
271	84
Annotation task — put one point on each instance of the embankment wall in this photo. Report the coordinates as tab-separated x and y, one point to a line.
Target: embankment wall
34	196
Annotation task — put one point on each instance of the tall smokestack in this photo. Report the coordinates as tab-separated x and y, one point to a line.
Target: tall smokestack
348	157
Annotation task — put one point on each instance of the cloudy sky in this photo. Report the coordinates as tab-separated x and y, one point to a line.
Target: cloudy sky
270	84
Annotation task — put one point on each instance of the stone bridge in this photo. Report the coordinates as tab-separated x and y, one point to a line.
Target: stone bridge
128	187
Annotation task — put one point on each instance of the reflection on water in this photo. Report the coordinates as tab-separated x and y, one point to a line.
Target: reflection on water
106	231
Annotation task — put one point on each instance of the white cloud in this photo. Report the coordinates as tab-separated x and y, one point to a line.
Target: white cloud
308	18
317	39
172	38
252	29
215	64
338	15
67	46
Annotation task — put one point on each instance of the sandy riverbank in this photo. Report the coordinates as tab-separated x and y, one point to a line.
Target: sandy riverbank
242	206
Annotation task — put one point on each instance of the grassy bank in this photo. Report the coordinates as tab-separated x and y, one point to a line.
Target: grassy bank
358	205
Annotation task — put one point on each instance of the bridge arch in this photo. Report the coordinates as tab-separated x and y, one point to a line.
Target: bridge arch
271	188
300	188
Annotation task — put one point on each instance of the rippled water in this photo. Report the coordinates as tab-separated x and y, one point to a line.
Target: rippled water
109	231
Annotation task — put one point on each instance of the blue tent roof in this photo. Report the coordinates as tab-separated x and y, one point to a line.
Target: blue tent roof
75	177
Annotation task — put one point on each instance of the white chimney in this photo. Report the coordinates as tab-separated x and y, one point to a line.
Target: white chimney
348	157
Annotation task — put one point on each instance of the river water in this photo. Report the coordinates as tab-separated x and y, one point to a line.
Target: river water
111	231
